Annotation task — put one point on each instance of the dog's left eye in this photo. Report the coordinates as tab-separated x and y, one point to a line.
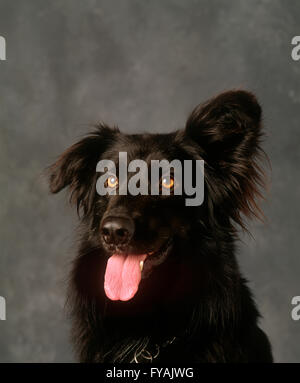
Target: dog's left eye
167	182
112	181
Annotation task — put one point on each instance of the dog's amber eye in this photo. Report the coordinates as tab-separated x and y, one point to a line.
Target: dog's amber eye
112	181
167	182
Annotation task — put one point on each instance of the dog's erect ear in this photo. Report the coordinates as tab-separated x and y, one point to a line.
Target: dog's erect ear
226	127
227	130
76	167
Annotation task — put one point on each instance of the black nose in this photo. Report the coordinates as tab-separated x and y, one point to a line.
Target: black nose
117	230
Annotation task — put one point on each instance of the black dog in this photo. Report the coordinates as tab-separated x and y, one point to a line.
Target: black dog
189	302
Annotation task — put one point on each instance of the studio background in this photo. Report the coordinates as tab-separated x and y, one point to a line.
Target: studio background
142	65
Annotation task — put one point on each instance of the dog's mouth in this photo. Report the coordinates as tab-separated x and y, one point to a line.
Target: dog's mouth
124	271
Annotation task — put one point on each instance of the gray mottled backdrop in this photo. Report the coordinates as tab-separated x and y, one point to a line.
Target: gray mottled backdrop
142	65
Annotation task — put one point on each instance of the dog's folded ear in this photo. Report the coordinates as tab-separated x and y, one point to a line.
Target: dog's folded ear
76	167
227	131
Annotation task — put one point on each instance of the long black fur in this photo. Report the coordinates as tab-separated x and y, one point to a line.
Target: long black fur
195	306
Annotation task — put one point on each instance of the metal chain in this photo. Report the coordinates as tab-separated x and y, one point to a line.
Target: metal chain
146	355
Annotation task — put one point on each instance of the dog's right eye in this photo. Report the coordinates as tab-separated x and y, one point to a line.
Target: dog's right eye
112	181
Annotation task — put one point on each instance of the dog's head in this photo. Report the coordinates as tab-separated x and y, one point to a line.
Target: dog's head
137	232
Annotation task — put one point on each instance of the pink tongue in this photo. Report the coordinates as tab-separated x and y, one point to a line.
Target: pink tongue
122	276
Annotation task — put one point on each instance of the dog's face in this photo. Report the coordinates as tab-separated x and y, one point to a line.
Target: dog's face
137	233
142	224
